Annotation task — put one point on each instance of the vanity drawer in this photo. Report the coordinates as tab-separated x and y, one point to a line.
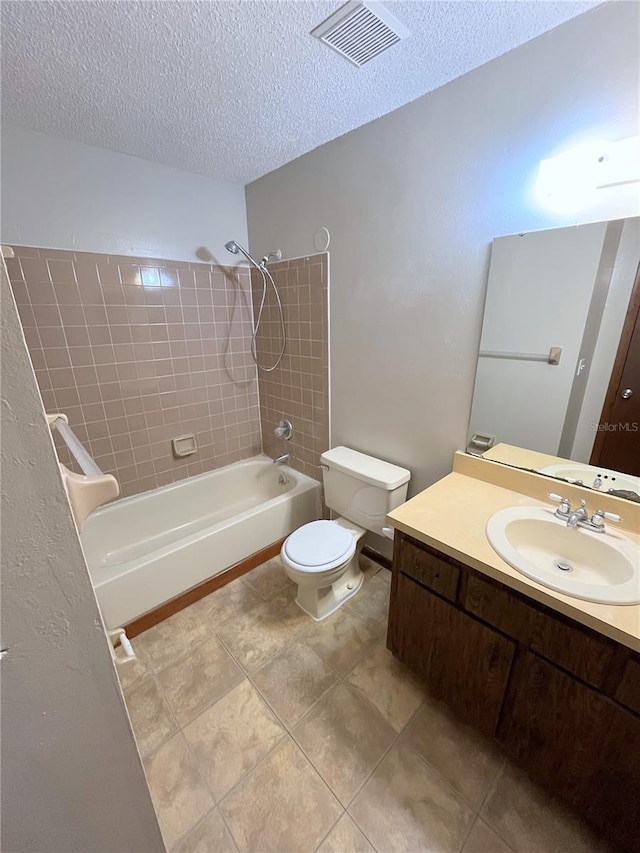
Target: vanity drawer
574	648
494	604
431	571
567	644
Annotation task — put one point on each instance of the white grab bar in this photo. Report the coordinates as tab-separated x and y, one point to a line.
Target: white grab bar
80	454
92	488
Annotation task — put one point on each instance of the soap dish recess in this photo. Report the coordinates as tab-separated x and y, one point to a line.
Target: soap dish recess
184	445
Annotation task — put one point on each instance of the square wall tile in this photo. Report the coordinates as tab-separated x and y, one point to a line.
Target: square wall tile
105	323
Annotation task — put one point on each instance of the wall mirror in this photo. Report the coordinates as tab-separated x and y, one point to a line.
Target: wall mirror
557	385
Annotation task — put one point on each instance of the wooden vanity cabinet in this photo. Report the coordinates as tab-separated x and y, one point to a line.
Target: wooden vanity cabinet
465	663
578	741
563	700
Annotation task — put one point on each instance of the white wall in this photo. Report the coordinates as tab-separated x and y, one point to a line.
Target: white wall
71	775
65	195
413	201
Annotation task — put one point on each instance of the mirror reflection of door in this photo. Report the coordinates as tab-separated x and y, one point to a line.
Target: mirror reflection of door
617	444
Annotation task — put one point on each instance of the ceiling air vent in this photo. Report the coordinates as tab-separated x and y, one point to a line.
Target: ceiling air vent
361	30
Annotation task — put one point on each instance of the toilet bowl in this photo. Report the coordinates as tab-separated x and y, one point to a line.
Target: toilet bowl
322	559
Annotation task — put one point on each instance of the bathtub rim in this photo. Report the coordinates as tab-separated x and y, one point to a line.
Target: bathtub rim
177	484
302	483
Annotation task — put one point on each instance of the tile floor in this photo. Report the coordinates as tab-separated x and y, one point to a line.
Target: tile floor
262	730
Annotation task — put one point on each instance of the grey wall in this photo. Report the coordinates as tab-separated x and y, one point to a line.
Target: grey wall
413	201
71	775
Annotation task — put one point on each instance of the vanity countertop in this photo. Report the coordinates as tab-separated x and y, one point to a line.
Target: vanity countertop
451	516
520	457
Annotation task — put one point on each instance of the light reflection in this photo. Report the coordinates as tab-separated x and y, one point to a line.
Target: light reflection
150	276
573	180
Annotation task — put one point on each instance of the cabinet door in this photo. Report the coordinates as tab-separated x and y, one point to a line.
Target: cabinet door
628	692
464	663
578	743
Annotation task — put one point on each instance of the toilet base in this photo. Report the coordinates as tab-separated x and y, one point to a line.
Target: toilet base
319	603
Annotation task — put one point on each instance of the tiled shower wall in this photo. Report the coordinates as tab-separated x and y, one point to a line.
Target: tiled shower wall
138	351
298	389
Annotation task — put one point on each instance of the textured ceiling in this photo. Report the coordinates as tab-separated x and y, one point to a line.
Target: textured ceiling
233	89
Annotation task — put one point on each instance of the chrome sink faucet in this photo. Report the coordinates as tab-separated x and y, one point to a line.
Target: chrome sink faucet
580	517
282	460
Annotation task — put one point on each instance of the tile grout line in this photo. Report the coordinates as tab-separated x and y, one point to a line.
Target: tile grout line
287	731
318	700
286	736
154	672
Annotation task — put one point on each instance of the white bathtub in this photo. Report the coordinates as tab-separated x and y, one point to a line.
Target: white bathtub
145	550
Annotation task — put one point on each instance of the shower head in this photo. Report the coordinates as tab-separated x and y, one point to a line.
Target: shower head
236	248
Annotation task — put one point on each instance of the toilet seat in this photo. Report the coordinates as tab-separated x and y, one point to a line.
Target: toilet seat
319	547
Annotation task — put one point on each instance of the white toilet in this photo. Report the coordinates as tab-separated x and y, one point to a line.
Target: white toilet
322	557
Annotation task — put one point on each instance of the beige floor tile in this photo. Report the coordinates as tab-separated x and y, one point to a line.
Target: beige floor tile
372	601
282	805
388	685
345	837
269	579
342	639
293	681
344	738
209	836
483	839
527	819
407	806
197	679
150	715
368	566
468	761
230	737
175	635
179	794
234	599
255	636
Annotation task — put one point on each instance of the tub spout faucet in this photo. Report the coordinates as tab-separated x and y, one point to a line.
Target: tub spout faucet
282	460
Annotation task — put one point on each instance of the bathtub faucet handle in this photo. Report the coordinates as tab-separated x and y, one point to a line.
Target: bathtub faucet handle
284	430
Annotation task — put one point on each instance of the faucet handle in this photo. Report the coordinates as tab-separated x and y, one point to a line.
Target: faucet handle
284	430
565	504
599	516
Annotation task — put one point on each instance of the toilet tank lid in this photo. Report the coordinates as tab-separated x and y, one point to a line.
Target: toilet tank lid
366	468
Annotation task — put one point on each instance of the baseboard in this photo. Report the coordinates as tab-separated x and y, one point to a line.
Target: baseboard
378	558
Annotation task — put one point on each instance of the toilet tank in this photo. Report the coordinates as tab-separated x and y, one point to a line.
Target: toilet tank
361	488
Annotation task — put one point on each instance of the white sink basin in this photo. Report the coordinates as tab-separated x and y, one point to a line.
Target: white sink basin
573	471
602	567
